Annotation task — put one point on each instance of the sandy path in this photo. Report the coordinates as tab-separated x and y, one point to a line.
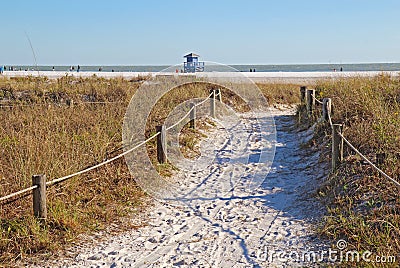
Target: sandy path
225	228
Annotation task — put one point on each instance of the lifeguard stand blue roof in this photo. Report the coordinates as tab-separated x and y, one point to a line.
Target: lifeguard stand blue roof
192	63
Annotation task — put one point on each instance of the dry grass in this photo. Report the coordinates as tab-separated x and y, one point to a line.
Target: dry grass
277	93
47	136
364	207
43	134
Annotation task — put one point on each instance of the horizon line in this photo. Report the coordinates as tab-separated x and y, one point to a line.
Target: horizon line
232	64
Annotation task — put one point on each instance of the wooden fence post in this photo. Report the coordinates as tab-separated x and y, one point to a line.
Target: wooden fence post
310	101
380	158
303	94
70	103
39	197
337	146
212	104
219	95
161	145
192	123
326	109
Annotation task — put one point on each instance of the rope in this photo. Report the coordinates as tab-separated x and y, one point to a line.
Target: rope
362	156
49	103
4	198
177	123
49	183
102	163
200	103
188	113
330	120
23	105
317	100
79	172
99	102
369	162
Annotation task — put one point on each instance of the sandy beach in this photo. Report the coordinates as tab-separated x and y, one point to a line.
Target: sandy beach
275	77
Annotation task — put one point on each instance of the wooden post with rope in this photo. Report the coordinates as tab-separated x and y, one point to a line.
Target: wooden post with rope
192	122
219	95
70	103
212	103
337	146
303	94
326	109
39	197
161	145
310	101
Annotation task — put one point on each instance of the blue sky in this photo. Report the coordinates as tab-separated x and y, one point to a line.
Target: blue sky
151	32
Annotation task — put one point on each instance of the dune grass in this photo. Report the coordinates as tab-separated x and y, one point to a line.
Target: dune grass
42	134
58	127
363	207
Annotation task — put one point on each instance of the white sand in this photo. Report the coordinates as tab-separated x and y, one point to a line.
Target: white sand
235	229
294	77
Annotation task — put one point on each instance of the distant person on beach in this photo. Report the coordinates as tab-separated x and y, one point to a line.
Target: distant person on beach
1	69
100	69
70	68
251	70
78	69
53	69
341	69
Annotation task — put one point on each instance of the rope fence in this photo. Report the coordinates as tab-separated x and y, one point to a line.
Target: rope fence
68	103
39	181
308	97
317	100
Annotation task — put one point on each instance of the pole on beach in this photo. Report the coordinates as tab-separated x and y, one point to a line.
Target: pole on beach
219	95
161	145
70	103
192	123
212	103
337	146
303	94
310	101
326	109
39	197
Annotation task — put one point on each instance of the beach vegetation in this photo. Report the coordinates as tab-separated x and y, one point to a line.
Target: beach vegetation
363	206
59	126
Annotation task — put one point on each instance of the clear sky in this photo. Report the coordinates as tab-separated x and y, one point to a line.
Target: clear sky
155	32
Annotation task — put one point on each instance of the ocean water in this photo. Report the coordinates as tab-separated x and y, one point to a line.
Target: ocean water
242	68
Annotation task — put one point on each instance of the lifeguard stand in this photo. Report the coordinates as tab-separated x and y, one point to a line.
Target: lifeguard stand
193	64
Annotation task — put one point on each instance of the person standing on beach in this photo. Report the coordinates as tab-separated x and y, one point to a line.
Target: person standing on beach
78	69
1	69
